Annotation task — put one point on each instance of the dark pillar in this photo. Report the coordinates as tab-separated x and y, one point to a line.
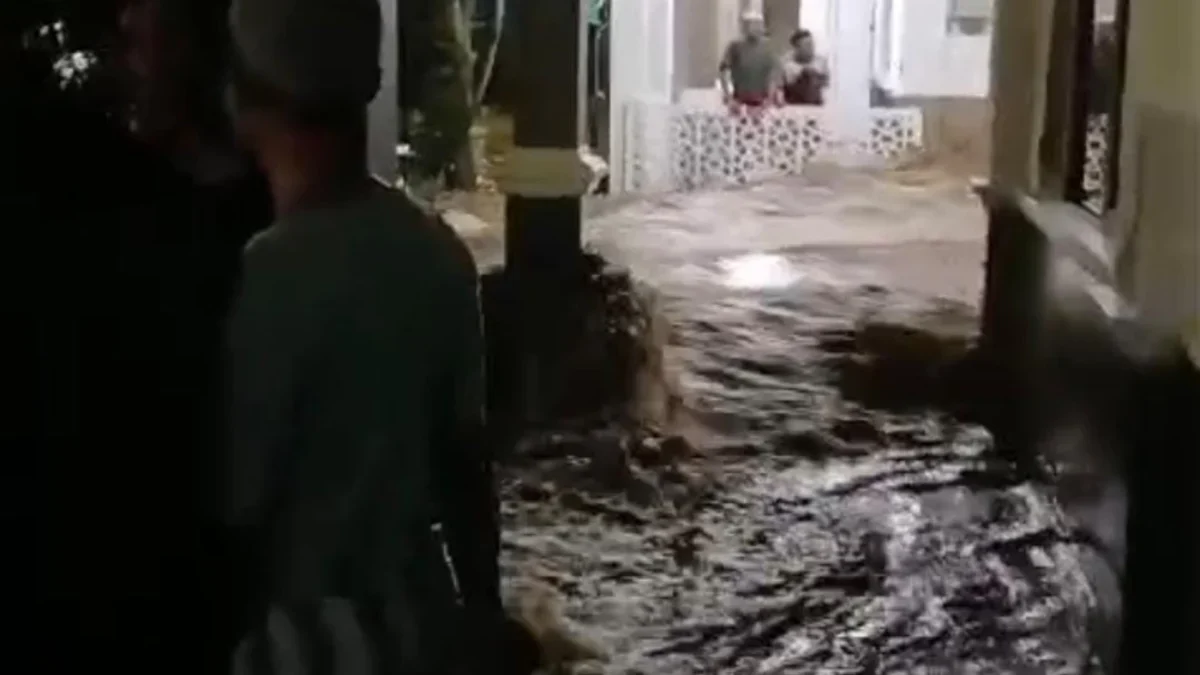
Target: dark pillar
532	307
543	215
1161	585
1010	336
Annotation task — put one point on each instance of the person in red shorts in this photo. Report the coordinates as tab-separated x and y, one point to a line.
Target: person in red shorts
750	74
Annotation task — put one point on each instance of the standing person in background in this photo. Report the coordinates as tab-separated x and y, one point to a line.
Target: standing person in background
749	71
356	457
805	74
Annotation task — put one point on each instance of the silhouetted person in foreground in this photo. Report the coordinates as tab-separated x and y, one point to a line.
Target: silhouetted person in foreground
355	449
126	257
67	430
204	202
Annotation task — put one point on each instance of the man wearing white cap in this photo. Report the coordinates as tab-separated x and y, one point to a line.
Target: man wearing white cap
355	456
749	71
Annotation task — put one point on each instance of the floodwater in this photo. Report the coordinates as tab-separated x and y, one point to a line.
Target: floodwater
799	530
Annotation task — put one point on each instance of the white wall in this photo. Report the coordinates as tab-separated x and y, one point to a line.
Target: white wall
849	54
933	63
727	25
696	50
815	16
383	115
642	51
1157	224
842	32
641	64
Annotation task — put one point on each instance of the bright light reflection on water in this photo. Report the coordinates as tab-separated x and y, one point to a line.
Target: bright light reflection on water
758	270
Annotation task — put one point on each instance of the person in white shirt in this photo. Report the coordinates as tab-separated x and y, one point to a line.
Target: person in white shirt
805	73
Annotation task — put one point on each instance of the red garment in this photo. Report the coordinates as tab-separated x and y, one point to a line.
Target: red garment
750	100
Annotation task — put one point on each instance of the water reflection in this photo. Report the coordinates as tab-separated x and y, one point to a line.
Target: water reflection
758	271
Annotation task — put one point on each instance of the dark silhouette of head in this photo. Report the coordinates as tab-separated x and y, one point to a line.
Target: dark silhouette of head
173	58
303	74
803	45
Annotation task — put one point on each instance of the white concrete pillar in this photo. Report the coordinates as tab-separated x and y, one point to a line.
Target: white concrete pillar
849	96
383	131
659	66
625	75
641	69
815	15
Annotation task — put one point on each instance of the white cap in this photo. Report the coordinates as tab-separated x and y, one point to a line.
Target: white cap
318	51
752	14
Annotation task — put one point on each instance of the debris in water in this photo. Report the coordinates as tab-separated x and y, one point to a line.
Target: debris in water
540	609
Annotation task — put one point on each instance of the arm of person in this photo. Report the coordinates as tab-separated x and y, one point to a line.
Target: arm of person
463	460
725	69
777	82
820	67
789	70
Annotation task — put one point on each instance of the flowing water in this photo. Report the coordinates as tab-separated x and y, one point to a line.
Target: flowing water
828	537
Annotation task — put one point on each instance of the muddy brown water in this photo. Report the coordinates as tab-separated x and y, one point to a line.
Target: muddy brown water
828	537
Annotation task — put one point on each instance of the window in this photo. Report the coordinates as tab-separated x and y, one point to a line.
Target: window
969	17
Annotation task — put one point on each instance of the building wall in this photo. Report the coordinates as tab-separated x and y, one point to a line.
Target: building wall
1020	59
1083	367
696	50
956	132
815	16
934	63
782	17
1157	233
726	27
1154	230
1157	224
1153	233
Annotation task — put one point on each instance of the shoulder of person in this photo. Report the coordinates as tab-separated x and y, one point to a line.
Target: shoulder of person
263	248
461	258
424	215
278	249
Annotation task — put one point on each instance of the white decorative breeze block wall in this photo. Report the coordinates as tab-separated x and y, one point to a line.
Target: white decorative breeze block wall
686	147
1095	164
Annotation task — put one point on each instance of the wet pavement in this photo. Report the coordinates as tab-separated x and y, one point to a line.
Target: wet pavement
803	531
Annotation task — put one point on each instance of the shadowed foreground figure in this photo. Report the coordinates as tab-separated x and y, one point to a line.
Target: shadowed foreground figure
123	266
355	368
205	202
